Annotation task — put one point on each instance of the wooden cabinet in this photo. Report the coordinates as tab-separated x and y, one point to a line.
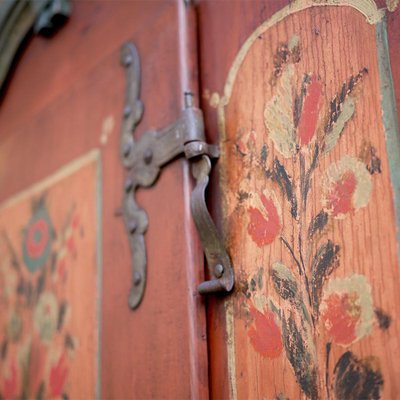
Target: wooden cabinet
302	98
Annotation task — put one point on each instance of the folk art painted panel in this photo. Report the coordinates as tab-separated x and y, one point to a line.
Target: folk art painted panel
49	287
310	208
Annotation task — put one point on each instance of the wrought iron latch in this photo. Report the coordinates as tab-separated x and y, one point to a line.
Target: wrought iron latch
144	160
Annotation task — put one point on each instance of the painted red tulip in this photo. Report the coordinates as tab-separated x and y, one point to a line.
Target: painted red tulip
310	112
347	309
292	123
58	376
265	334
10	383
347	187
265	222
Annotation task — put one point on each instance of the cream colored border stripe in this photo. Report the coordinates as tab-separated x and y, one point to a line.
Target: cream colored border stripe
63	172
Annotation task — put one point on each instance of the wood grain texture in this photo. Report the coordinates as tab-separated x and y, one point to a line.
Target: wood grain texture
66	97
343	238
49	335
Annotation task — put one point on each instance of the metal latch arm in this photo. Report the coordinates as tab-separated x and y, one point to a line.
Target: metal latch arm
144	160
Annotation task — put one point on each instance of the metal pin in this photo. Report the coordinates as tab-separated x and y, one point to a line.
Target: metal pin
137	278
128	184
218	270
188	99
148	156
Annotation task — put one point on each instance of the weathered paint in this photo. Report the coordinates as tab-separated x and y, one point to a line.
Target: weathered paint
107	129
389	117
278	112
295	335
230	347
265	334
366	7
46	334
347	187
310	112
347	309
357	379
392	5
265	222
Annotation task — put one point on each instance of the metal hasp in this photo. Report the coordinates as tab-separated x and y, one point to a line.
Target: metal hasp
144	159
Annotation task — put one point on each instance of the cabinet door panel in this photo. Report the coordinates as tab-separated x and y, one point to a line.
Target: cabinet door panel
304	103
64	101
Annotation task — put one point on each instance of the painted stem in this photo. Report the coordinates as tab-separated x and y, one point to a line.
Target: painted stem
328	352
291	251
302	228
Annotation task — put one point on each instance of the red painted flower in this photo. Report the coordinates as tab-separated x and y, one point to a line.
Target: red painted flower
10	384
58	376
347	309
265	221
292	122
265	334
347	187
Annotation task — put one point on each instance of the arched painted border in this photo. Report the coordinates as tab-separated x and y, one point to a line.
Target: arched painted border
368	8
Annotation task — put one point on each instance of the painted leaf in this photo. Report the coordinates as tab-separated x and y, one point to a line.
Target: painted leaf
383	318
301	355
308	176
287	287
318	224
299	99
341	110
356	379
369	156
324	263
278	115
280	175
285	283
347	309
336	130
265	334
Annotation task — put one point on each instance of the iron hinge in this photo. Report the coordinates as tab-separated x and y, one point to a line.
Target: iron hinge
144	160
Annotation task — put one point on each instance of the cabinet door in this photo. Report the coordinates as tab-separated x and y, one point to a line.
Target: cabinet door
65	272
302	96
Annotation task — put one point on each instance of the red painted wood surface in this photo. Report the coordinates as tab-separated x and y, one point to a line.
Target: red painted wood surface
65	99
250	367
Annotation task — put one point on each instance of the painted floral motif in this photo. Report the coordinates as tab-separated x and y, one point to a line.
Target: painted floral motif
310	300
45	316
10	383
347	309
58	376
37	327
265	334
348	186
37	238
264	220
